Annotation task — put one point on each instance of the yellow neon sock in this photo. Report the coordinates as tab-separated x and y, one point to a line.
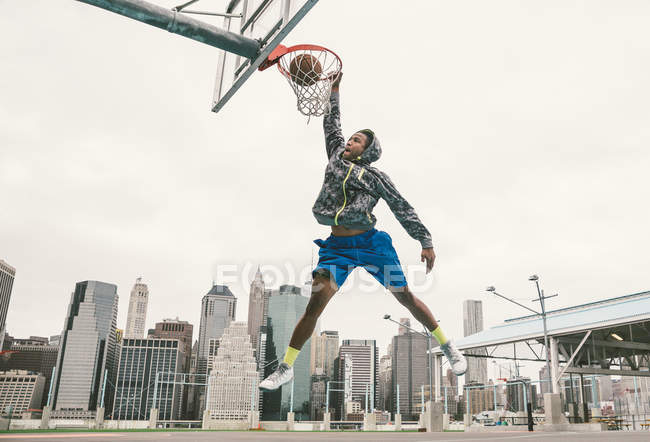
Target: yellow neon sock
290	356
439	335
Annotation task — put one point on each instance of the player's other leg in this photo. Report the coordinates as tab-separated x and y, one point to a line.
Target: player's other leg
421	312
323	288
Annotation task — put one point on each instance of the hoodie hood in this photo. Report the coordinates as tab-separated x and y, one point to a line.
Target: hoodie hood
371	153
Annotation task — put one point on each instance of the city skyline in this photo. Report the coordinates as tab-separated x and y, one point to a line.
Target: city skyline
531	370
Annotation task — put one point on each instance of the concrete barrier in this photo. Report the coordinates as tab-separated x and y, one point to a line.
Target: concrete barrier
274	425
369	422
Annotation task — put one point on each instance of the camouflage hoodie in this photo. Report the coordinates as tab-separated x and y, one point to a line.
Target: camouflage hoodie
351	189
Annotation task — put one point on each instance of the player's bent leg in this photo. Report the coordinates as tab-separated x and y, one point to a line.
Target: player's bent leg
323	288
418	309
422	313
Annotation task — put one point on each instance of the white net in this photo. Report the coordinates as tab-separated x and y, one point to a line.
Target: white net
310	73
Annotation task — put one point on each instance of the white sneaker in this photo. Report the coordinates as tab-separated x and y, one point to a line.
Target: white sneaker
278	378
456	359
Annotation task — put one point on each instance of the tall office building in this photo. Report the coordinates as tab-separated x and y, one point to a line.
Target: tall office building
34	354
137	316
324	350
286	306
21	390
176	329
181	330
473	323
234	379
362	359
7	275
258	302
385	386
142	363
88	350
410	370
218	308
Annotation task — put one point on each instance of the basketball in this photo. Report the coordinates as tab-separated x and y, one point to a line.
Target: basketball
305	70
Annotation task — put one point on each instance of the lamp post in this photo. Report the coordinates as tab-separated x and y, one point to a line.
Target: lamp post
542	314
428	336
541	298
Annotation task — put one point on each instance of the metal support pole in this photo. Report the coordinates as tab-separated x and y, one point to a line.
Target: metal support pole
495	397
430	366
546	349
637	405
155	390
366	393
446	400
181	24
103	388
437	365
49	394
327	397
372	398
554	366
398	399
467	410
252	395
525	397
422	393
594	393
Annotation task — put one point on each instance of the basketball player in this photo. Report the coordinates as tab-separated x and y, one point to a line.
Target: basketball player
351	189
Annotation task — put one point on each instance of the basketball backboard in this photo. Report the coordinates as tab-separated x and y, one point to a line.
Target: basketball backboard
268	21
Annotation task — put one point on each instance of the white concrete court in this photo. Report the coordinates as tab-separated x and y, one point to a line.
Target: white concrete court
329	436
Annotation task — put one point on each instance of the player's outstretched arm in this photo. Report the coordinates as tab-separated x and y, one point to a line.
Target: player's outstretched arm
407	217
332	122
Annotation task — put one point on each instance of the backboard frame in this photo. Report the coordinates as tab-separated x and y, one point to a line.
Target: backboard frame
243	67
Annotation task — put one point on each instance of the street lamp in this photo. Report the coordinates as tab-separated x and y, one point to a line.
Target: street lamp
541	298
428	336
542	314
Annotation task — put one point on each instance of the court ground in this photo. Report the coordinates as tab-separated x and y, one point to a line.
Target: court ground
331	436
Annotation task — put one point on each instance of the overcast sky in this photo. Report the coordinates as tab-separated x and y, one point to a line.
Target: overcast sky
517	129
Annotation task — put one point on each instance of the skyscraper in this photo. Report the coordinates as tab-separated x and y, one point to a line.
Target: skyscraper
473	323
7	275
142	363
88	350
286	306
181	330
385	386
258	302
325	349
217	311
364	358
135	319
409	367
234	378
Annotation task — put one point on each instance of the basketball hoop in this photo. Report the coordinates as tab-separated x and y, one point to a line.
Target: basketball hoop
310	71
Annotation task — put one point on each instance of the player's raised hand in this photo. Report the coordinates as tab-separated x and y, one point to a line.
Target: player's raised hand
429	256
336	80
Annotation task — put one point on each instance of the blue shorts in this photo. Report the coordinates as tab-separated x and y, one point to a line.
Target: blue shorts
373	250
